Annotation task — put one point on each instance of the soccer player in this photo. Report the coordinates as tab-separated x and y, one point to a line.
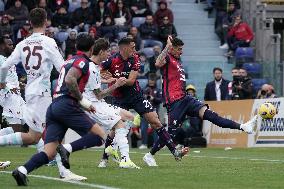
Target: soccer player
178	103
10	97
106	115
126	64
66	110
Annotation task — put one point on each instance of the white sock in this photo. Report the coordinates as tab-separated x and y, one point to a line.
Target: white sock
11	139
68	147
122	142
6	131
61	168
23	170
40	145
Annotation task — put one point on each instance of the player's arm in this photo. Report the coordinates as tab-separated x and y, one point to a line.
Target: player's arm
13	59
55	55
131	78
100	94
161	59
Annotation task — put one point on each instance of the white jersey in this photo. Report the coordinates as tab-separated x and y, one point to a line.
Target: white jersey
12	80
93	83
38	53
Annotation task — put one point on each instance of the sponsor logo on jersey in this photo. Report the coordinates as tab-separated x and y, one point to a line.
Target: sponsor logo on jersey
81	64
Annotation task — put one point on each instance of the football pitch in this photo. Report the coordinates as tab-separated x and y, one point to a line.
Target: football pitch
208	169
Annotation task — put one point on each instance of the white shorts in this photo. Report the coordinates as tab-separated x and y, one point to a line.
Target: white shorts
35	111
106	115
13	106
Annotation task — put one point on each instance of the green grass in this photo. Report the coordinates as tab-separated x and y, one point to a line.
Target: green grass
209	169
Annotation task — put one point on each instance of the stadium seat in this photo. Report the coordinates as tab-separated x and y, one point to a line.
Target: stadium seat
148	51
244	55
61	36
121	35
253	69
143	83
137	21
257	83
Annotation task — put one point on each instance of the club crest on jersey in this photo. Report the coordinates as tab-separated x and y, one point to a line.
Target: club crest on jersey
81	64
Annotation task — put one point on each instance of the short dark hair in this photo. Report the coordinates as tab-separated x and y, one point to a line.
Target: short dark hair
235	68
37	17
125	41
176	42
84	42
100	44
219	69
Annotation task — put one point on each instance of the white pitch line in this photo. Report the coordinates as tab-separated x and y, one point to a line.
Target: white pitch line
66	181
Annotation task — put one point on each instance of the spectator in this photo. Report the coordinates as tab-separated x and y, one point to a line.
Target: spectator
190	90
122	16
236	78
136	37
42	4
70	44
2	6
157	51
82	17
162	12
135	132
114	48
55	4
149	33
61	19
144	67
217	89
17	15
165	30
24	31
266	91
73	5
93	32
227	22
107	29
242	86
6	28
240	35
140	8
101	11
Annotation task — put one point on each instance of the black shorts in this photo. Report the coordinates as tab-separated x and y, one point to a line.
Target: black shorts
136	102
178	110
63	113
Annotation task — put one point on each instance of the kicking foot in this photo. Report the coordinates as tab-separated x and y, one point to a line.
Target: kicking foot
128	165
180	152
113	152
103	163
20	178
4	164
64	156
249	126
68	175
150	160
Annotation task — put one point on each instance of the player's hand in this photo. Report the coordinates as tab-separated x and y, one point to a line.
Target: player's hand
87	105
169	41
106	75
2	85
92	109
120	81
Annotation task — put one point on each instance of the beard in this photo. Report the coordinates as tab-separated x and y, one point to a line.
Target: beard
218	79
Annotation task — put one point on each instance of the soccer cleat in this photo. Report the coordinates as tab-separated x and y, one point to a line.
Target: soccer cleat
150	160
224	46
249	126
64	154
103	163
69	176
128	165
111	151
4	164
142	147
20	178
180	152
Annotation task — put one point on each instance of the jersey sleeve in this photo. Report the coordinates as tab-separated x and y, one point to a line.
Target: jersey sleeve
105	65
136	64
94	81
81	65
55	55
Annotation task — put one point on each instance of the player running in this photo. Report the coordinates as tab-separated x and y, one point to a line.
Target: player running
178	103
66	110
106	115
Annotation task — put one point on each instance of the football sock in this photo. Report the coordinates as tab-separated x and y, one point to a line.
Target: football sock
109	140
61	168
87	141
40	145
165	137
6	131
122	142
220	121
11	139
68	147
35	162
158	145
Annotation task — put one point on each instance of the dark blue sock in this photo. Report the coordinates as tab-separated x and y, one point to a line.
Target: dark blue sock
220	121
107	143
87	141
165	138
158	145
36	161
